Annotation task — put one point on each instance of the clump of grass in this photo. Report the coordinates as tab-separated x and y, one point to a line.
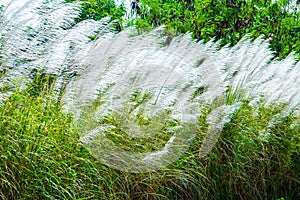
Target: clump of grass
257	156
35	140
42	158
132	127
161	126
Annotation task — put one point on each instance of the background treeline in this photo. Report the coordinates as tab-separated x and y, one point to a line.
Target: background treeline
224	20
95	9
229	20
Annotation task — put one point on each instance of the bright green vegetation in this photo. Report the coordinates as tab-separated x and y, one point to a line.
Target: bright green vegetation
227	20
95	9
41	157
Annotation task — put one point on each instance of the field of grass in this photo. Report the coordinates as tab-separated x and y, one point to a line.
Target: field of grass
41	157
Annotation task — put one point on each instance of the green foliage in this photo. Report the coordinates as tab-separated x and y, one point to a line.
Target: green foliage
97	9
227	21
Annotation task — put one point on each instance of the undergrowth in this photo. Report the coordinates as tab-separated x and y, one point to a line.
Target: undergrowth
256	157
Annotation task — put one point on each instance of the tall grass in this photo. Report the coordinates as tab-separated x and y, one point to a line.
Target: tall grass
256	157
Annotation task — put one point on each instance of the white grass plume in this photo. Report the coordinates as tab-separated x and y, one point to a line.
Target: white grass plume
176	73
